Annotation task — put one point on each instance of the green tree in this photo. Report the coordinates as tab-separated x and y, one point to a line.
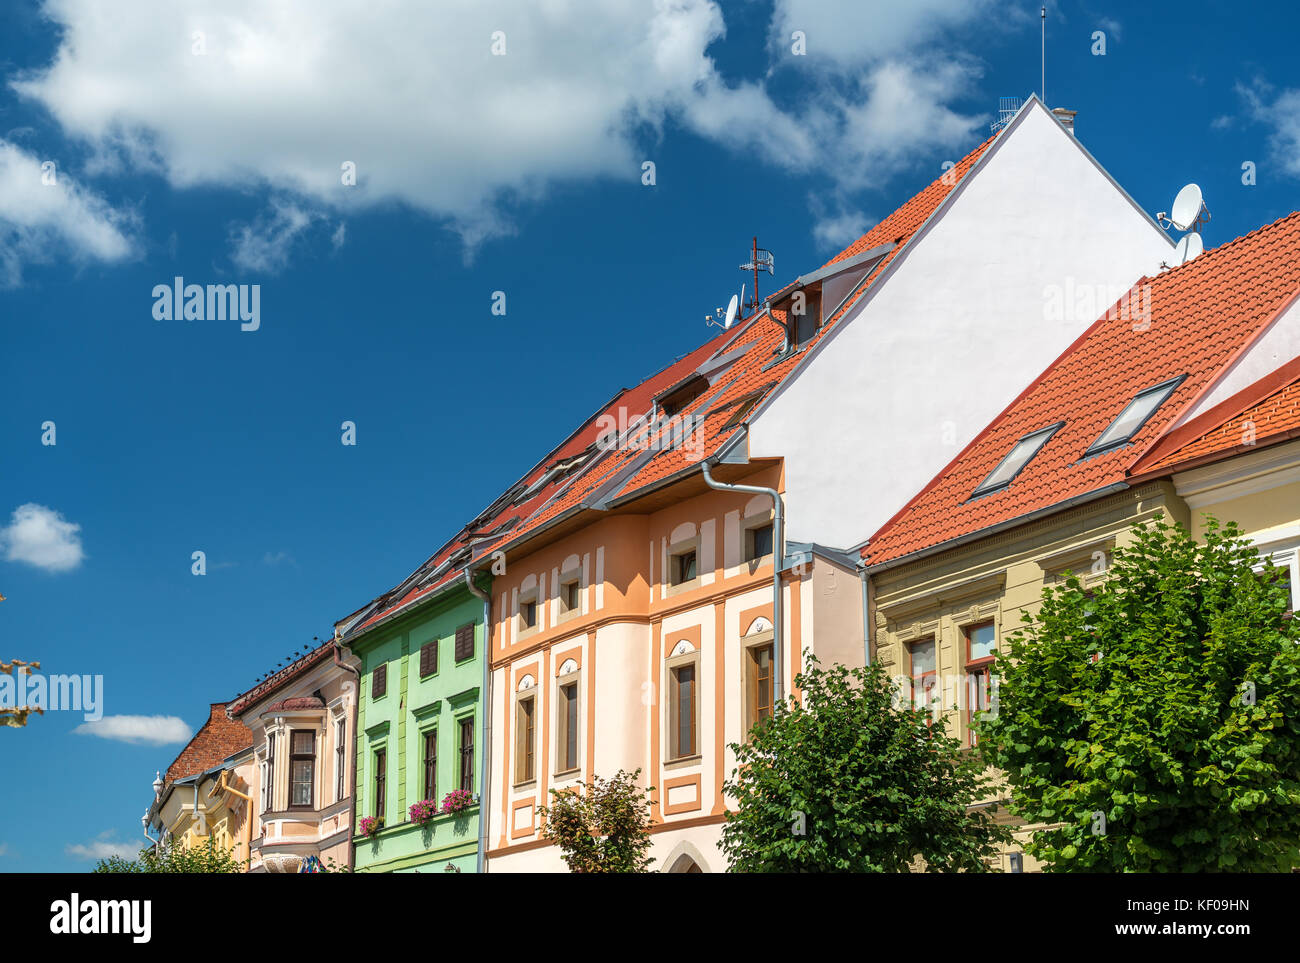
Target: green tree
1155	721
604	828
850	780
177	858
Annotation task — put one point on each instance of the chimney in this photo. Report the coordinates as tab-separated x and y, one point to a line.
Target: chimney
1066	117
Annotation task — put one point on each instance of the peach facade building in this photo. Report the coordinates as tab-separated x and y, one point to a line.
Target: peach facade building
646	640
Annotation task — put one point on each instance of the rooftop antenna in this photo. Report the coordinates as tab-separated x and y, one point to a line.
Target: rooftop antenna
760	260
1008	107
1188	214
1042	18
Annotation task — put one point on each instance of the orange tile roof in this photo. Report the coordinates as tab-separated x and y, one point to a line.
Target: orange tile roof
1262	414
635	400
1203	315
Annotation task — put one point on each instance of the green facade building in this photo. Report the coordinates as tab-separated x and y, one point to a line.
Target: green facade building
420	732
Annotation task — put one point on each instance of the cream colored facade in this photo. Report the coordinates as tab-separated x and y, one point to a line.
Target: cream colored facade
209	805
999	579
631	630
1260	491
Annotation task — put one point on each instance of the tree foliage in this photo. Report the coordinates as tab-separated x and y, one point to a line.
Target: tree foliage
851	780
1156	719
602	828
175	858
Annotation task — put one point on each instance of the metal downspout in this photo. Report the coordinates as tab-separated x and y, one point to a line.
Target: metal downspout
352	794
484	778
778	563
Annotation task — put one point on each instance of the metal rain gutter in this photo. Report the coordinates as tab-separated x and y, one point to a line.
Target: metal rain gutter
778	565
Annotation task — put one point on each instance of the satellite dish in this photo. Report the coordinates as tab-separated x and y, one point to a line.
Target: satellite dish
1187	207
732	308
1188	248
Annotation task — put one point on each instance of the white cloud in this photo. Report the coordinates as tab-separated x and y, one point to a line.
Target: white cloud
264	245
412	94
853	34
138	730
4	849
839	230
44	214
278	558
104	846
40	536
1279	111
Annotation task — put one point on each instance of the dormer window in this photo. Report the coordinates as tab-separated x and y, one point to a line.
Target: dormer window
1015	461
681	396
1134	416
804	316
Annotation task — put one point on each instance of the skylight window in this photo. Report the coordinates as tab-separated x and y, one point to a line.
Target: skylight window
1135	414
1023	450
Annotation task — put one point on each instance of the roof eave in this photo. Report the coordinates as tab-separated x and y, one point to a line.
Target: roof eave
994	529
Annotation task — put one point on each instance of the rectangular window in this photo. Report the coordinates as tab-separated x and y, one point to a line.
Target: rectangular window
528	613
428	658
924	672
265	783
571	596
568	743
379	681
465	642
758	542
760	684
467	755
302	768
525	738
270	771
381	779
683	567
340	759
431	765
981	650
681	734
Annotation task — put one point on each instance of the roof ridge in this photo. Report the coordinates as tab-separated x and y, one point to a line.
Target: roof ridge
1219	250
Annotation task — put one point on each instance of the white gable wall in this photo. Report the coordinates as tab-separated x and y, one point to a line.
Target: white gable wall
955	332
1278	344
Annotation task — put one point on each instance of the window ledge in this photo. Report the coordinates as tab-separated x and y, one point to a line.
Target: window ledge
684	762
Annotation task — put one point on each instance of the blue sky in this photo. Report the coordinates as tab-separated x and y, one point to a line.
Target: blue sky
217	157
